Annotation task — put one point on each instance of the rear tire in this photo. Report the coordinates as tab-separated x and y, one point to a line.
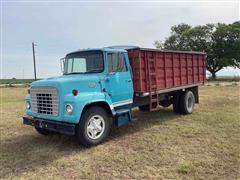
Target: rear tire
176	104
187	102
165	103
42	131
94	127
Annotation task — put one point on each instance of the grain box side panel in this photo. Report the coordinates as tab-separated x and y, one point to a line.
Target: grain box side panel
160	70
202	70
195	68
135	62
176	69
172	69
189	69
144	71
183	62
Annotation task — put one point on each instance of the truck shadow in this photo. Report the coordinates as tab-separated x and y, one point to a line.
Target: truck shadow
144	120
30	152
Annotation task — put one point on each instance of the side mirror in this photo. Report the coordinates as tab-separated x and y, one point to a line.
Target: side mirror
62	62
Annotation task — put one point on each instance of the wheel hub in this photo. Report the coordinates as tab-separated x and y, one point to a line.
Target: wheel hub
190	103
95	127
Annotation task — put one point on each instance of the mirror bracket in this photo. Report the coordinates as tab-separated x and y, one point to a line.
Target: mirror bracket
62	63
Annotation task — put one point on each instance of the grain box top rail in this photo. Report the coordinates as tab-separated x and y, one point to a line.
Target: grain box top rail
170	51
127	47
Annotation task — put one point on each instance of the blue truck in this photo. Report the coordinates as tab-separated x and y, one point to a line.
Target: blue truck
98	90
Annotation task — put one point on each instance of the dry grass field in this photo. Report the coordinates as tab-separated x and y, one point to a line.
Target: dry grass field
160	145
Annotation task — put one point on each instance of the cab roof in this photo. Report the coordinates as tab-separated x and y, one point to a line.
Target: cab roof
105	49
124	48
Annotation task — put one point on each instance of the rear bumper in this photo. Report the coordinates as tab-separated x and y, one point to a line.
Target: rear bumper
63	128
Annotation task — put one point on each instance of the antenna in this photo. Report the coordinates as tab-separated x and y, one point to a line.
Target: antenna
34	60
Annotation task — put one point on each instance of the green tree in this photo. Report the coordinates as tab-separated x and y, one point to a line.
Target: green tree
221	42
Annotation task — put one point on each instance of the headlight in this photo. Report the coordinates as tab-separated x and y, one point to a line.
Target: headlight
28	105
69	108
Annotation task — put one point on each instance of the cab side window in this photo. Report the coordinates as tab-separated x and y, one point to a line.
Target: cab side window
116	62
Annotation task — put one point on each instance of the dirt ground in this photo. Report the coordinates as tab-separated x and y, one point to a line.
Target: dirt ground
160	145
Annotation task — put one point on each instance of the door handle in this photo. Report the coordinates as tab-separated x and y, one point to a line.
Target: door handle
129	80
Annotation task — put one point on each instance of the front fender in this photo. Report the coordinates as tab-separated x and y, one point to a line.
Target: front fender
78	102
83	100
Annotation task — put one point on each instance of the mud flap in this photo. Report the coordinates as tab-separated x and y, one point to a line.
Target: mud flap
123	118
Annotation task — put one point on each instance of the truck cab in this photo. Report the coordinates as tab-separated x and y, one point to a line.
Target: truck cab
95	91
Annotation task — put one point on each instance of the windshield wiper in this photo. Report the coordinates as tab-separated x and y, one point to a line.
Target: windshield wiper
90	71
73	73
93	71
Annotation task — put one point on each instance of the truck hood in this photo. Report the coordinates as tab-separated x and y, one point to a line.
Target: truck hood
81	82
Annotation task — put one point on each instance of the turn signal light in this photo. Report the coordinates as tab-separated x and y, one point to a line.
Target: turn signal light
75	92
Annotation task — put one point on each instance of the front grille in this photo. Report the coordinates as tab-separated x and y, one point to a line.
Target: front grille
44	100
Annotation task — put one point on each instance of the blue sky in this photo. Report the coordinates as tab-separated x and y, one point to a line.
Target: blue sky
62	27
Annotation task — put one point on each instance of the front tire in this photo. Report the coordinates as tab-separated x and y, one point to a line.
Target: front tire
94	127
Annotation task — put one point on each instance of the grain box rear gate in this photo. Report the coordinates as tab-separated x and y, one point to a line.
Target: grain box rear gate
162	70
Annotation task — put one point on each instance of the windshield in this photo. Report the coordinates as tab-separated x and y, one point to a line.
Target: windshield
84	62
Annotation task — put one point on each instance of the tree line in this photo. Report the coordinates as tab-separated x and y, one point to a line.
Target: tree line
221	43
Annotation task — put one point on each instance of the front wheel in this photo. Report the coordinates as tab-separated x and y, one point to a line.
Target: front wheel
94	127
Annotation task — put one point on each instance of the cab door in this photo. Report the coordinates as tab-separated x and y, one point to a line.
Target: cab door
119	83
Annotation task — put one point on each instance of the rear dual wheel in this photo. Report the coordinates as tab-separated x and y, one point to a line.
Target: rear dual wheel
176	104
184	102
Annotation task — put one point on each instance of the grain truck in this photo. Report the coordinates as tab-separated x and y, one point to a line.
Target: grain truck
100	87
